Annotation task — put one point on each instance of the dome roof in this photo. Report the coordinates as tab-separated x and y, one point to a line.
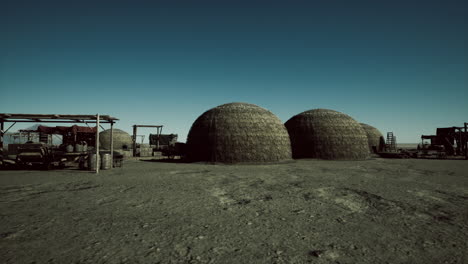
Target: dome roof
327	134
238	132
375	139
122	140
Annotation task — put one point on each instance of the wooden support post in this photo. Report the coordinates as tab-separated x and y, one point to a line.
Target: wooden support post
1	139
466	140
2	127
112	144
158	131
97	144
134	140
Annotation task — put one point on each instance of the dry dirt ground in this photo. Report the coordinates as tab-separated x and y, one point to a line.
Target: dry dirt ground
307	211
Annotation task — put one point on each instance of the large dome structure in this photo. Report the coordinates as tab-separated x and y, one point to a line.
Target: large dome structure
238	133
375	139
327	134
122	140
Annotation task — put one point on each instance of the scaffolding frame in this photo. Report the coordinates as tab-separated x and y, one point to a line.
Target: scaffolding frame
59	118
134	137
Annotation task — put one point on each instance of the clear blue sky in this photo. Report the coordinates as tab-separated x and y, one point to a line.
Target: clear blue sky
400	66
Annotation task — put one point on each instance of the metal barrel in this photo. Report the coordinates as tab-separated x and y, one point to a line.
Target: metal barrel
69	148
92	161
78	148
106	161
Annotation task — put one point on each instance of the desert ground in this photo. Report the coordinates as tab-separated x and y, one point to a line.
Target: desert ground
304	211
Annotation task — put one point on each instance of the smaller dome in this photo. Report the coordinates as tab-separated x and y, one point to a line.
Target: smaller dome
122	140
327	134
374	137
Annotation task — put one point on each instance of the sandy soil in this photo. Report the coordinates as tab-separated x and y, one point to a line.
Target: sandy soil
407	145
308	211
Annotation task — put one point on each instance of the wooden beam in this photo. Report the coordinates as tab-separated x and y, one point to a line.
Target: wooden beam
9	127
1	138
112	144
54	121
97	144
466	140
148	126
55	116
134	139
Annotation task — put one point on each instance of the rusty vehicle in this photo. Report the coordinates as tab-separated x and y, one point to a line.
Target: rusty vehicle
168	145
35	154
